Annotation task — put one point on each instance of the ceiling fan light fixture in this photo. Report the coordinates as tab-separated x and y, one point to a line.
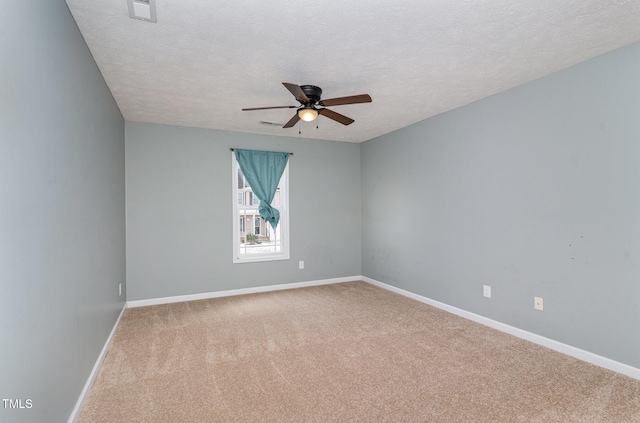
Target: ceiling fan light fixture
308	114
309	97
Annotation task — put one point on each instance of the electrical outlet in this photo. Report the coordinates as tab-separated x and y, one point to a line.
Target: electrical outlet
537	303
487	291
301	264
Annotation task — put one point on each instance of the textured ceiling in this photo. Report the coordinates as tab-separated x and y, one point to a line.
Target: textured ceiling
205	60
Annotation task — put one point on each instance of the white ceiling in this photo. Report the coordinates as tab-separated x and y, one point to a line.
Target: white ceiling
205	60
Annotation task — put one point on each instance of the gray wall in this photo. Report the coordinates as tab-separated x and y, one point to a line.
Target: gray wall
62	210
535	191
179	211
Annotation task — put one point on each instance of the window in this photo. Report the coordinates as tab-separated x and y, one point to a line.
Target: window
253	238
256	226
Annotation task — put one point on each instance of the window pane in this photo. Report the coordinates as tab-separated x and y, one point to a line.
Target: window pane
240	179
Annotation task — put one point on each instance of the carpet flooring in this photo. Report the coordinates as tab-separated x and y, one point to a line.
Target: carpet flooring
348	352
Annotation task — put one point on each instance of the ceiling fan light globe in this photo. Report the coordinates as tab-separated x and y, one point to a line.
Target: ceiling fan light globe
308	115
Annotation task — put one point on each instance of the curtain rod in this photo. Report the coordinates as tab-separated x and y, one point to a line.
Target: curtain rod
291	154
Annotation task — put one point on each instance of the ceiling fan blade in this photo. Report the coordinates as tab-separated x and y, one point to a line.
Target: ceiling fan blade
352	99
274	107
297	92
292	121
336	116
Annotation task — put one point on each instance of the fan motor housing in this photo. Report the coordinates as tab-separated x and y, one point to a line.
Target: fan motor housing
312	92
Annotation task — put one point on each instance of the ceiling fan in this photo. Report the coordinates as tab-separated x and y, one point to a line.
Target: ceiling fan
311	105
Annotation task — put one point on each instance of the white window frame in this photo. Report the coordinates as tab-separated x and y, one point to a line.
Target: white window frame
283	254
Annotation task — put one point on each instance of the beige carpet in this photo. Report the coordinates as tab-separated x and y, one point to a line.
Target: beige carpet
347	352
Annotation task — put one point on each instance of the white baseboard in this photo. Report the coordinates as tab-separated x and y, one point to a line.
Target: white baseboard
94	372
240	291
523	334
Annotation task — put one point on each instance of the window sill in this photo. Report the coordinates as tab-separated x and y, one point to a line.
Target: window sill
260	258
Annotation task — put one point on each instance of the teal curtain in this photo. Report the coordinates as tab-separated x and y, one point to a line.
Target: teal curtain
263	170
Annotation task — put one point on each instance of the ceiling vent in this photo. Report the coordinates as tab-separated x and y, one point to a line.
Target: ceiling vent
145	10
